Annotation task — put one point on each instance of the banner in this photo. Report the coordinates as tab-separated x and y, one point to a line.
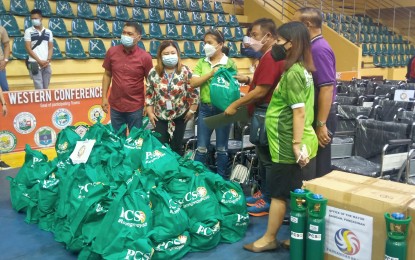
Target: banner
348	234
35	117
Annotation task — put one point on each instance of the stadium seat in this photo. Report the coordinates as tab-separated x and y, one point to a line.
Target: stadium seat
376	60
201	49
18	49
64	9
57	54
115	42
389	61
189	50
154	15
27	22
372	49
171	32
194	6
187	32
154	46
168	4
222	20
140	3
101	29
121	13
233	51
374	38
233	21
96	49
9	23
155	4
384	49
200	32
139	15
206	7
109	2
44	6
104	12
196	18
74	49
125	3
85	11
390	39
407	50
144	35
169	16
141	45
227	33
396	60
365	49
239	34
58	27
391	49
412	50
89	1
79	28
19	7
209	19
117	27
383	63
2	8
181	5
217	7
155	32
403	61
183	17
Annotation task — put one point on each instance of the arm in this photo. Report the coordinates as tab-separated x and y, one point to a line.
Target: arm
150	93
324	104
197	81
3	103
3	63
256	94
298	129
50	50
106	81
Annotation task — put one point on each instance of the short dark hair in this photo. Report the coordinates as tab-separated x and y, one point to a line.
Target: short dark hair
36	11
312	15
220	38
267	25
136	26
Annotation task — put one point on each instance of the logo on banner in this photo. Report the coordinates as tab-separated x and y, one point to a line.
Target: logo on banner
24	122
62	118
96	112
45	136
8	141
347	241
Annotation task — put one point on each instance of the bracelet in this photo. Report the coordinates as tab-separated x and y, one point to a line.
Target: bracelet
296	142
191	111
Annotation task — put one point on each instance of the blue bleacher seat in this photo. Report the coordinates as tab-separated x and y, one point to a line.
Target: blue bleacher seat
117	27
141	45
196	18
383	63
200	32
90	1
412	50
233	21
171	32
187	33
389	61
125	2
206	7
101	29
209	19
155	31
139	15
154	15
239	34
396	60
85	11
144	34
74	49
2	8
154	46
18	49
217	7
181	5
384	49
169	16
104	12
57	54
391	49
222	20
121	13
115	42
140	3
372	49
194	6
58	27
201	49
155	4
376	61
109	2
189	50
96	49
64	9
407	49
10	24
227	33
79	28
168	4
19	7
44	6
403	61
27	22
183	17
233	51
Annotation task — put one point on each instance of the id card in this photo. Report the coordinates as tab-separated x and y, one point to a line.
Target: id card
169	105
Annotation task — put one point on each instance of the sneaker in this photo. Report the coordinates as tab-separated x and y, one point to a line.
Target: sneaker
261	208
4	166
251	201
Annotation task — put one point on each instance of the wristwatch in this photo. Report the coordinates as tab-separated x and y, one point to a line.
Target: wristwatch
320	124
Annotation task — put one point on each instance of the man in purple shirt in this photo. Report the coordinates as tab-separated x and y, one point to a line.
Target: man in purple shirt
324	85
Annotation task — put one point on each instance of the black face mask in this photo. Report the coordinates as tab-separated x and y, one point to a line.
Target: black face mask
278	52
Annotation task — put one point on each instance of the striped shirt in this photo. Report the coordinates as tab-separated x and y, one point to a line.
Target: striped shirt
33	35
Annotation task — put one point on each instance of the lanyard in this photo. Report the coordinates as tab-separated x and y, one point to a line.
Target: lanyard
169	79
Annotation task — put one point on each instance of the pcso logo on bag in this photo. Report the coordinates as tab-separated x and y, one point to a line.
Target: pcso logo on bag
62	118
24	122
231	196
45	137
347	242
132	218
8	141
138	255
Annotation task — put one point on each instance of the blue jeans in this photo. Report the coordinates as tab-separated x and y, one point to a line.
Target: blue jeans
3	81
203	139
118	119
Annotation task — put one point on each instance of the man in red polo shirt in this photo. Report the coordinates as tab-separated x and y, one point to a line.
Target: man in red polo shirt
125	66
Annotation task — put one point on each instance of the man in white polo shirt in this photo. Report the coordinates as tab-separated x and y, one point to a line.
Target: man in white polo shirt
39	46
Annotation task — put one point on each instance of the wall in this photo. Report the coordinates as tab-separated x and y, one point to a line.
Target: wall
386	73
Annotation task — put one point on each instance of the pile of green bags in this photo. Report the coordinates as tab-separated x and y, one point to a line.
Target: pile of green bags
133	199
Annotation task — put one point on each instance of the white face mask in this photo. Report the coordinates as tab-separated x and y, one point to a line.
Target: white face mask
209	50
36	22
170	60
256	45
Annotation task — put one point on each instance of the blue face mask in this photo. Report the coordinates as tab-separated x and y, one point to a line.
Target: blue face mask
127	41
36	22
170	60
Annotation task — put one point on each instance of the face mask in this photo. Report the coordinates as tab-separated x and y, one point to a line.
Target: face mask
127	41
256	45
36	22
278	52
170	60
209	50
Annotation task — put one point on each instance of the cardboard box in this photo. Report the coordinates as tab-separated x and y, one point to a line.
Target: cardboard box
372	197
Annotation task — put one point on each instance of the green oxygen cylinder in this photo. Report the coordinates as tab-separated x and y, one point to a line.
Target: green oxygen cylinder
397	230
298	221
316	226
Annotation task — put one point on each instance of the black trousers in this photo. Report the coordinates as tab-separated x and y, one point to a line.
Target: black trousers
176	142
323	158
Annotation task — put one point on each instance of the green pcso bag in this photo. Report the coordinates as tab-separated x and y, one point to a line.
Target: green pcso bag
234	227
231	198
35	168
173	249
224	88
66	142
204	235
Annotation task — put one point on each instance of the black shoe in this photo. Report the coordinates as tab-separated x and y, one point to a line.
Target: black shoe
4	166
